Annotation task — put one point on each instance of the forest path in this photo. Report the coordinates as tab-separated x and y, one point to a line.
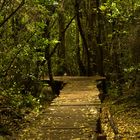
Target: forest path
71	116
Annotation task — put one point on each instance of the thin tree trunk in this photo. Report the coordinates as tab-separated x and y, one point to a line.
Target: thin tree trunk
61	47
82	69
100	57
47	54
99	41
85	45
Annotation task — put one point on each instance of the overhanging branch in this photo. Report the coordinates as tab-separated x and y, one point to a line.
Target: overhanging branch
54	49
12	14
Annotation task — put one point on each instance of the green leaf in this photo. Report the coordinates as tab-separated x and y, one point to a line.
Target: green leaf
41	24
46	41
103	8
53	42
1	18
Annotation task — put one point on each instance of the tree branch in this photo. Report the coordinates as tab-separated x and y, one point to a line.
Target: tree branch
54	49
69	24
5	20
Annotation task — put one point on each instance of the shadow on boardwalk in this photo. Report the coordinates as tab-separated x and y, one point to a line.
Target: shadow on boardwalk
71	116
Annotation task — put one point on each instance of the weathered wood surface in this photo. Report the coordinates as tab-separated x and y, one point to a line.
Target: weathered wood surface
71	116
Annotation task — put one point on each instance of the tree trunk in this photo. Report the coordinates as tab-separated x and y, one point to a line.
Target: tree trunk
100	58
90	31
61	47
85	45
82	69
47	54
100	55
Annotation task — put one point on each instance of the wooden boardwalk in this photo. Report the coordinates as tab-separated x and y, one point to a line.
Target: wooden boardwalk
71	116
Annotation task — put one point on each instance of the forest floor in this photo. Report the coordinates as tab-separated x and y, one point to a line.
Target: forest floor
123	114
